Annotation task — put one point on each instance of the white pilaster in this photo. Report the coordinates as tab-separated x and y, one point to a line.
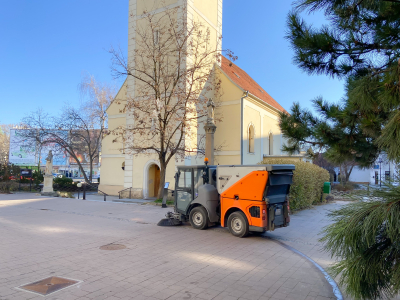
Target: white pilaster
128	176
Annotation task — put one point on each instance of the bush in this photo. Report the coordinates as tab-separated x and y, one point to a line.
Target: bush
8	186
308	182
344	188
5	178
63	183
37	177
24	180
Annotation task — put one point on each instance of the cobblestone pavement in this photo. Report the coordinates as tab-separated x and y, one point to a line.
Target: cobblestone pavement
43	237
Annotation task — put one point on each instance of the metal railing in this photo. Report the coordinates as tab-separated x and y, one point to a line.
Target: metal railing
130	193
89	187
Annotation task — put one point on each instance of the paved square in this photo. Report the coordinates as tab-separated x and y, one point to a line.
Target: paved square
44	237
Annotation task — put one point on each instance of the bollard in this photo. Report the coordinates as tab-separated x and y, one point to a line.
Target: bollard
164	200
84	192
165	196
104	197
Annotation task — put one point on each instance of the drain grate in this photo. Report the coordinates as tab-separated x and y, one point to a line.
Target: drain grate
113	247
49	285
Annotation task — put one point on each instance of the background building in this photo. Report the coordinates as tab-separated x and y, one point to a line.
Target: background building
382	170
26	152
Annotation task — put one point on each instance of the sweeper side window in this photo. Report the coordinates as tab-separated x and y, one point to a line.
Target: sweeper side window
184	189
198	180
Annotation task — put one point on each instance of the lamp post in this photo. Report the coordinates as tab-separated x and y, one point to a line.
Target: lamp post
380	161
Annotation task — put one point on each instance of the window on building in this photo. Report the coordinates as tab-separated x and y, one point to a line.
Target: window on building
251	139
271	144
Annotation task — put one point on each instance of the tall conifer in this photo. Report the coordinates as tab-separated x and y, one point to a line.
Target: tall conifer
362	45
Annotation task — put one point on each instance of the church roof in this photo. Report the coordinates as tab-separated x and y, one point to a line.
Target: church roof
244	81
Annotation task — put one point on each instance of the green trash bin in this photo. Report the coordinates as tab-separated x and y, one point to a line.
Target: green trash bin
327	187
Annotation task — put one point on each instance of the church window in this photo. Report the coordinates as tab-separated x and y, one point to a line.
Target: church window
251	139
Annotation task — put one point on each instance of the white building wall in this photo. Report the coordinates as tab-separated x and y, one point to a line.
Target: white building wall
376	173
360	175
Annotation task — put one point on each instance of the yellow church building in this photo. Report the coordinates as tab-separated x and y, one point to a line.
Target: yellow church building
249	131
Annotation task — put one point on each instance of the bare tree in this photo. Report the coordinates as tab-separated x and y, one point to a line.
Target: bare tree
76	131
4	143
321	161
345	171
173	66
72	132
97	96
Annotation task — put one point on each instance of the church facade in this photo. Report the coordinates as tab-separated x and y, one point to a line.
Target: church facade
248	132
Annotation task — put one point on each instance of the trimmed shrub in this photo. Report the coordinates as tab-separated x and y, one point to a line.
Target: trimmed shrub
24	180
8	186
37	177
63	183
308	182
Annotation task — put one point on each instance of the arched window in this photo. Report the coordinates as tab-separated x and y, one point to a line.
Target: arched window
251	139
271	143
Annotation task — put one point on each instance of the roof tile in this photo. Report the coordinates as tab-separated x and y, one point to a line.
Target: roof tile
242	79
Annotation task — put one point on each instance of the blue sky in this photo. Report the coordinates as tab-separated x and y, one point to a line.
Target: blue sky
46	46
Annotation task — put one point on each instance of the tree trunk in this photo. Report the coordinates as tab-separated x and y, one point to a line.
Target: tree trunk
347	176
83	171
342	177
348	172
91	170
39	163
163	169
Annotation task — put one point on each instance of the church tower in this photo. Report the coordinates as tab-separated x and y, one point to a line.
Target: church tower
209	13
247	117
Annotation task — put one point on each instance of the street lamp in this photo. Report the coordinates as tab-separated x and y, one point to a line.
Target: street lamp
380	161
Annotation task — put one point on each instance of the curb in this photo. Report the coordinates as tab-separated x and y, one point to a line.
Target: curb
335	288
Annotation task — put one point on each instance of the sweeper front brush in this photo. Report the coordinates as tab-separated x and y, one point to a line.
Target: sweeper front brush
169	222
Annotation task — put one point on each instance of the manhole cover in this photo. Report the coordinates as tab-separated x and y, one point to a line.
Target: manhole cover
49	285
112	247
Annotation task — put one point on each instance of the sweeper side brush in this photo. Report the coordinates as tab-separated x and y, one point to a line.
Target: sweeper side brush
170	220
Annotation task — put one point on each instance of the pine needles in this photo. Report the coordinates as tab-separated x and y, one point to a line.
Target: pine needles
365	238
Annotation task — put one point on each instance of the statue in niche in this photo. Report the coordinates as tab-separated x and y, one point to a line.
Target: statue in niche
210	110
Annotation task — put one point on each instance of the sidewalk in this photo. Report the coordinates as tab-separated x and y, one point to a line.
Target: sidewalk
305	231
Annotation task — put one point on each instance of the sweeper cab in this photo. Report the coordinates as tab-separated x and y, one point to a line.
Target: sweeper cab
243	198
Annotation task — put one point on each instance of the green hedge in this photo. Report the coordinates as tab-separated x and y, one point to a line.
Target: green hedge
308	182
63	182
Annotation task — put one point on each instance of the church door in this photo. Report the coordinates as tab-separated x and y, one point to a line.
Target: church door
156	180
